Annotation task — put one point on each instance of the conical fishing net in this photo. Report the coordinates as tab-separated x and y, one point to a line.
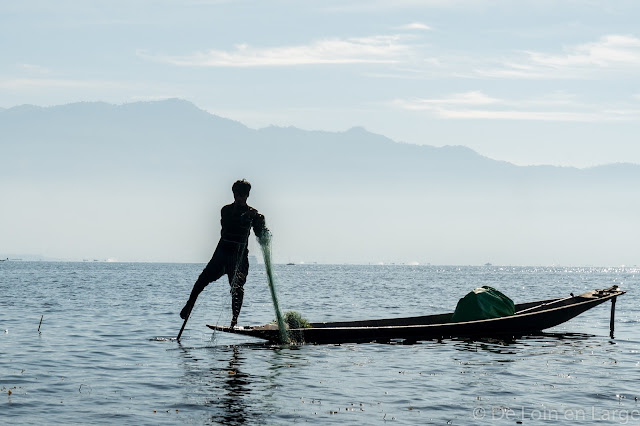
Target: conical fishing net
265	247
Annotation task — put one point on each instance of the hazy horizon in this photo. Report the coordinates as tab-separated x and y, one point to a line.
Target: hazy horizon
146	181
443	132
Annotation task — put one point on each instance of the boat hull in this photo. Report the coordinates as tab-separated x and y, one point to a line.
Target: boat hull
530	318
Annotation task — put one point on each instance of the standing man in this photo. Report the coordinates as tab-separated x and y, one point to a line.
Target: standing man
231	254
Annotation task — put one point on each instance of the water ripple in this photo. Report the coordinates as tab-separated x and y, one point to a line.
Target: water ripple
107	353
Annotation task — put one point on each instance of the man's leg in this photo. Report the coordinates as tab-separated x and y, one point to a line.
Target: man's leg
213	271
237	288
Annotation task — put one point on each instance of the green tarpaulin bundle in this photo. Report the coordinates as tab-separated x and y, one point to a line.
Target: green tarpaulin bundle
483	303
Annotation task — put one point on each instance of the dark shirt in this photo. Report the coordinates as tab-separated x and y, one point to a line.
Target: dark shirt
237	222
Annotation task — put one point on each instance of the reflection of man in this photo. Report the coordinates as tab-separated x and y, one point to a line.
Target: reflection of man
228	389
231	254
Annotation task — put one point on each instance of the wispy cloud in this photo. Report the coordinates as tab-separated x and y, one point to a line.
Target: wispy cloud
383	5
415	26
383	49
410	57
152	98
611	53
553	107
468	98
47	83
34	69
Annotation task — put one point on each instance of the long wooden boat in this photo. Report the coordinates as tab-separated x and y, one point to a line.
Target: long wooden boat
529	318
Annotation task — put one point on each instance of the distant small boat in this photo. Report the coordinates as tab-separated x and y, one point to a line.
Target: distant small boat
529	318
488	264
4	260
290	263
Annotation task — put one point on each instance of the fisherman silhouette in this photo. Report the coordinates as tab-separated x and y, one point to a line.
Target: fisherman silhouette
231	254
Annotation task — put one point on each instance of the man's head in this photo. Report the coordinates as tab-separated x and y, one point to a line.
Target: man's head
241	189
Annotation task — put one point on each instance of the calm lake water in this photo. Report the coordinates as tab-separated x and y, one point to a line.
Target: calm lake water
104	352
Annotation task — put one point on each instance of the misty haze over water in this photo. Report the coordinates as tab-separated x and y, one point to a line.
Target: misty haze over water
145	182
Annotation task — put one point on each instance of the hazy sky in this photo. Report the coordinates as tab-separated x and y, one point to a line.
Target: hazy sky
526	81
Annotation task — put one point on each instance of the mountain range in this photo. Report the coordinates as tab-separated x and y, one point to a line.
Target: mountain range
144	181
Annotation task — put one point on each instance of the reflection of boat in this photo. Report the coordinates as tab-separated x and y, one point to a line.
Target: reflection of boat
529	318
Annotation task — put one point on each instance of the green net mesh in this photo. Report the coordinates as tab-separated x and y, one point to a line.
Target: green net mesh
296	323
265	247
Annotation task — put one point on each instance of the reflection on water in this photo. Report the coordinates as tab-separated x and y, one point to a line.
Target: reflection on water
214	375
220	377
514	345
259	383
237	387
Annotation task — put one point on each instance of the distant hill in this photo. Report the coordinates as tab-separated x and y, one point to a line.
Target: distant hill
333	196
172	137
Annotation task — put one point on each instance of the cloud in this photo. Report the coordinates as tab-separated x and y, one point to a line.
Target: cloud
42	83
34	69
529	115
384	5
468	98
553	107
384	49
608	51
152	98
410	59
415	26
611	53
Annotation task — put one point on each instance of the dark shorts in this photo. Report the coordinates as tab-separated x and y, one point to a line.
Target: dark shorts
229	258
